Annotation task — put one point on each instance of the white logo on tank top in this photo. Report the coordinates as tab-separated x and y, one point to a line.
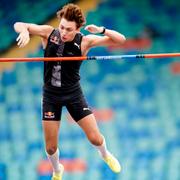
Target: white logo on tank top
77	45
85	109
56	76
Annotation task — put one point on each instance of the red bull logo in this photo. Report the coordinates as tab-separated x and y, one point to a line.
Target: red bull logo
49	115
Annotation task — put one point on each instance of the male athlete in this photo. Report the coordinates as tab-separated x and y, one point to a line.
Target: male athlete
61	79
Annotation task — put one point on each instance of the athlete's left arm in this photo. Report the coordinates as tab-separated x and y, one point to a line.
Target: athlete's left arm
110	37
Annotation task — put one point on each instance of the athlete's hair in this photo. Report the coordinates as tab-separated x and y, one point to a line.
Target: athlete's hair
72	12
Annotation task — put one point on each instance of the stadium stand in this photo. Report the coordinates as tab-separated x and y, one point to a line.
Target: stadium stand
136	102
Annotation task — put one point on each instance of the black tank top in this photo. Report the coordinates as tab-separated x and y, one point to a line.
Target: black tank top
62	75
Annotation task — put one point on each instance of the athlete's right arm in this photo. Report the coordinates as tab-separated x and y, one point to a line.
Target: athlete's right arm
25	29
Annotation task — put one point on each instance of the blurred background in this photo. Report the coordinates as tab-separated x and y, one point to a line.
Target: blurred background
136	103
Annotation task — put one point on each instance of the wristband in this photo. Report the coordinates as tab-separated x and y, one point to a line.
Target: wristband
103	31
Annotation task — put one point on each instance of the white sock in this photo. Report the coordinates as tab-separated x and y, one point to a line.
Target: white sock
102	149
54	159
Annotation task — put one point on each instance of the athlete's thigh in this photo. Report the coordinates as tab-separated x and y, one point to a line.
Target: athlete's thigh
82	114
89	125
78	108
51	115
51	130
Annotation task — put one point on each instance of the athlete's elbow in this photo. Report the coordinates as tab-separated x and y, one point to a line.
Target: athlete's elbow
122	39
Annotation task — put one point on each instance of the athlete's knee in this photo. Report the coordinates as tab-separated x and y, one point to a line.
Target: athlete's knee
95	138
51	149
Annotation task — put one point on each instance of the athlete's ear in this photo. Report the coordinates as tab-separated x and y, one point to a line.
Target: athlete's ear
78	29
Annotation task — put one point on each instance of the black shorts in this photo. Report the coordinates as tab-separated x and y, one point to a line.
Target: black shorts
75	103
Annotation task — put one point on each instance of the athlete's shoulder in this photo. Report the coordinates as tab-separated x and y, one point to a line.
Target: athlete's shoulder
87	39
78	37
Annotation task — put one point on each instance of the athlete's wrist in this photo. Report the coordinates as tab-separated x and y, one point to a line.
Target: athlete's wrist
25	30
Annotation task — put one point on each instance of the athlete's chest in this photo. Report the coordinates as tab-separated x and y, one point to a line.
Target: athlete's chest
59	48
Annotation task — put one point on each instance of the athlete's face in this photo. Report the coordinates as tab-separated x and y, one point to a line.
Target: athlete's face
67	30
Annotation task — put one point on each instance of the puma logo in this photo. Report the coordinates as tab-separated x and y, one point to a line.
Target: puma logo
85	109
77	45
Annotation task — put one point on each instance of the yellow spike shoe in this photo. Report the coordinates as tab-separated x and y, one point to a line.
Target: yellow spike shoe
113	163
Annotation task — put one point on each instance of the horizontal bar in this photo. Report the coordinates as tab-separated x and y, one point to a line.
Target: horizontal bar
165	55
36	59
81	58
